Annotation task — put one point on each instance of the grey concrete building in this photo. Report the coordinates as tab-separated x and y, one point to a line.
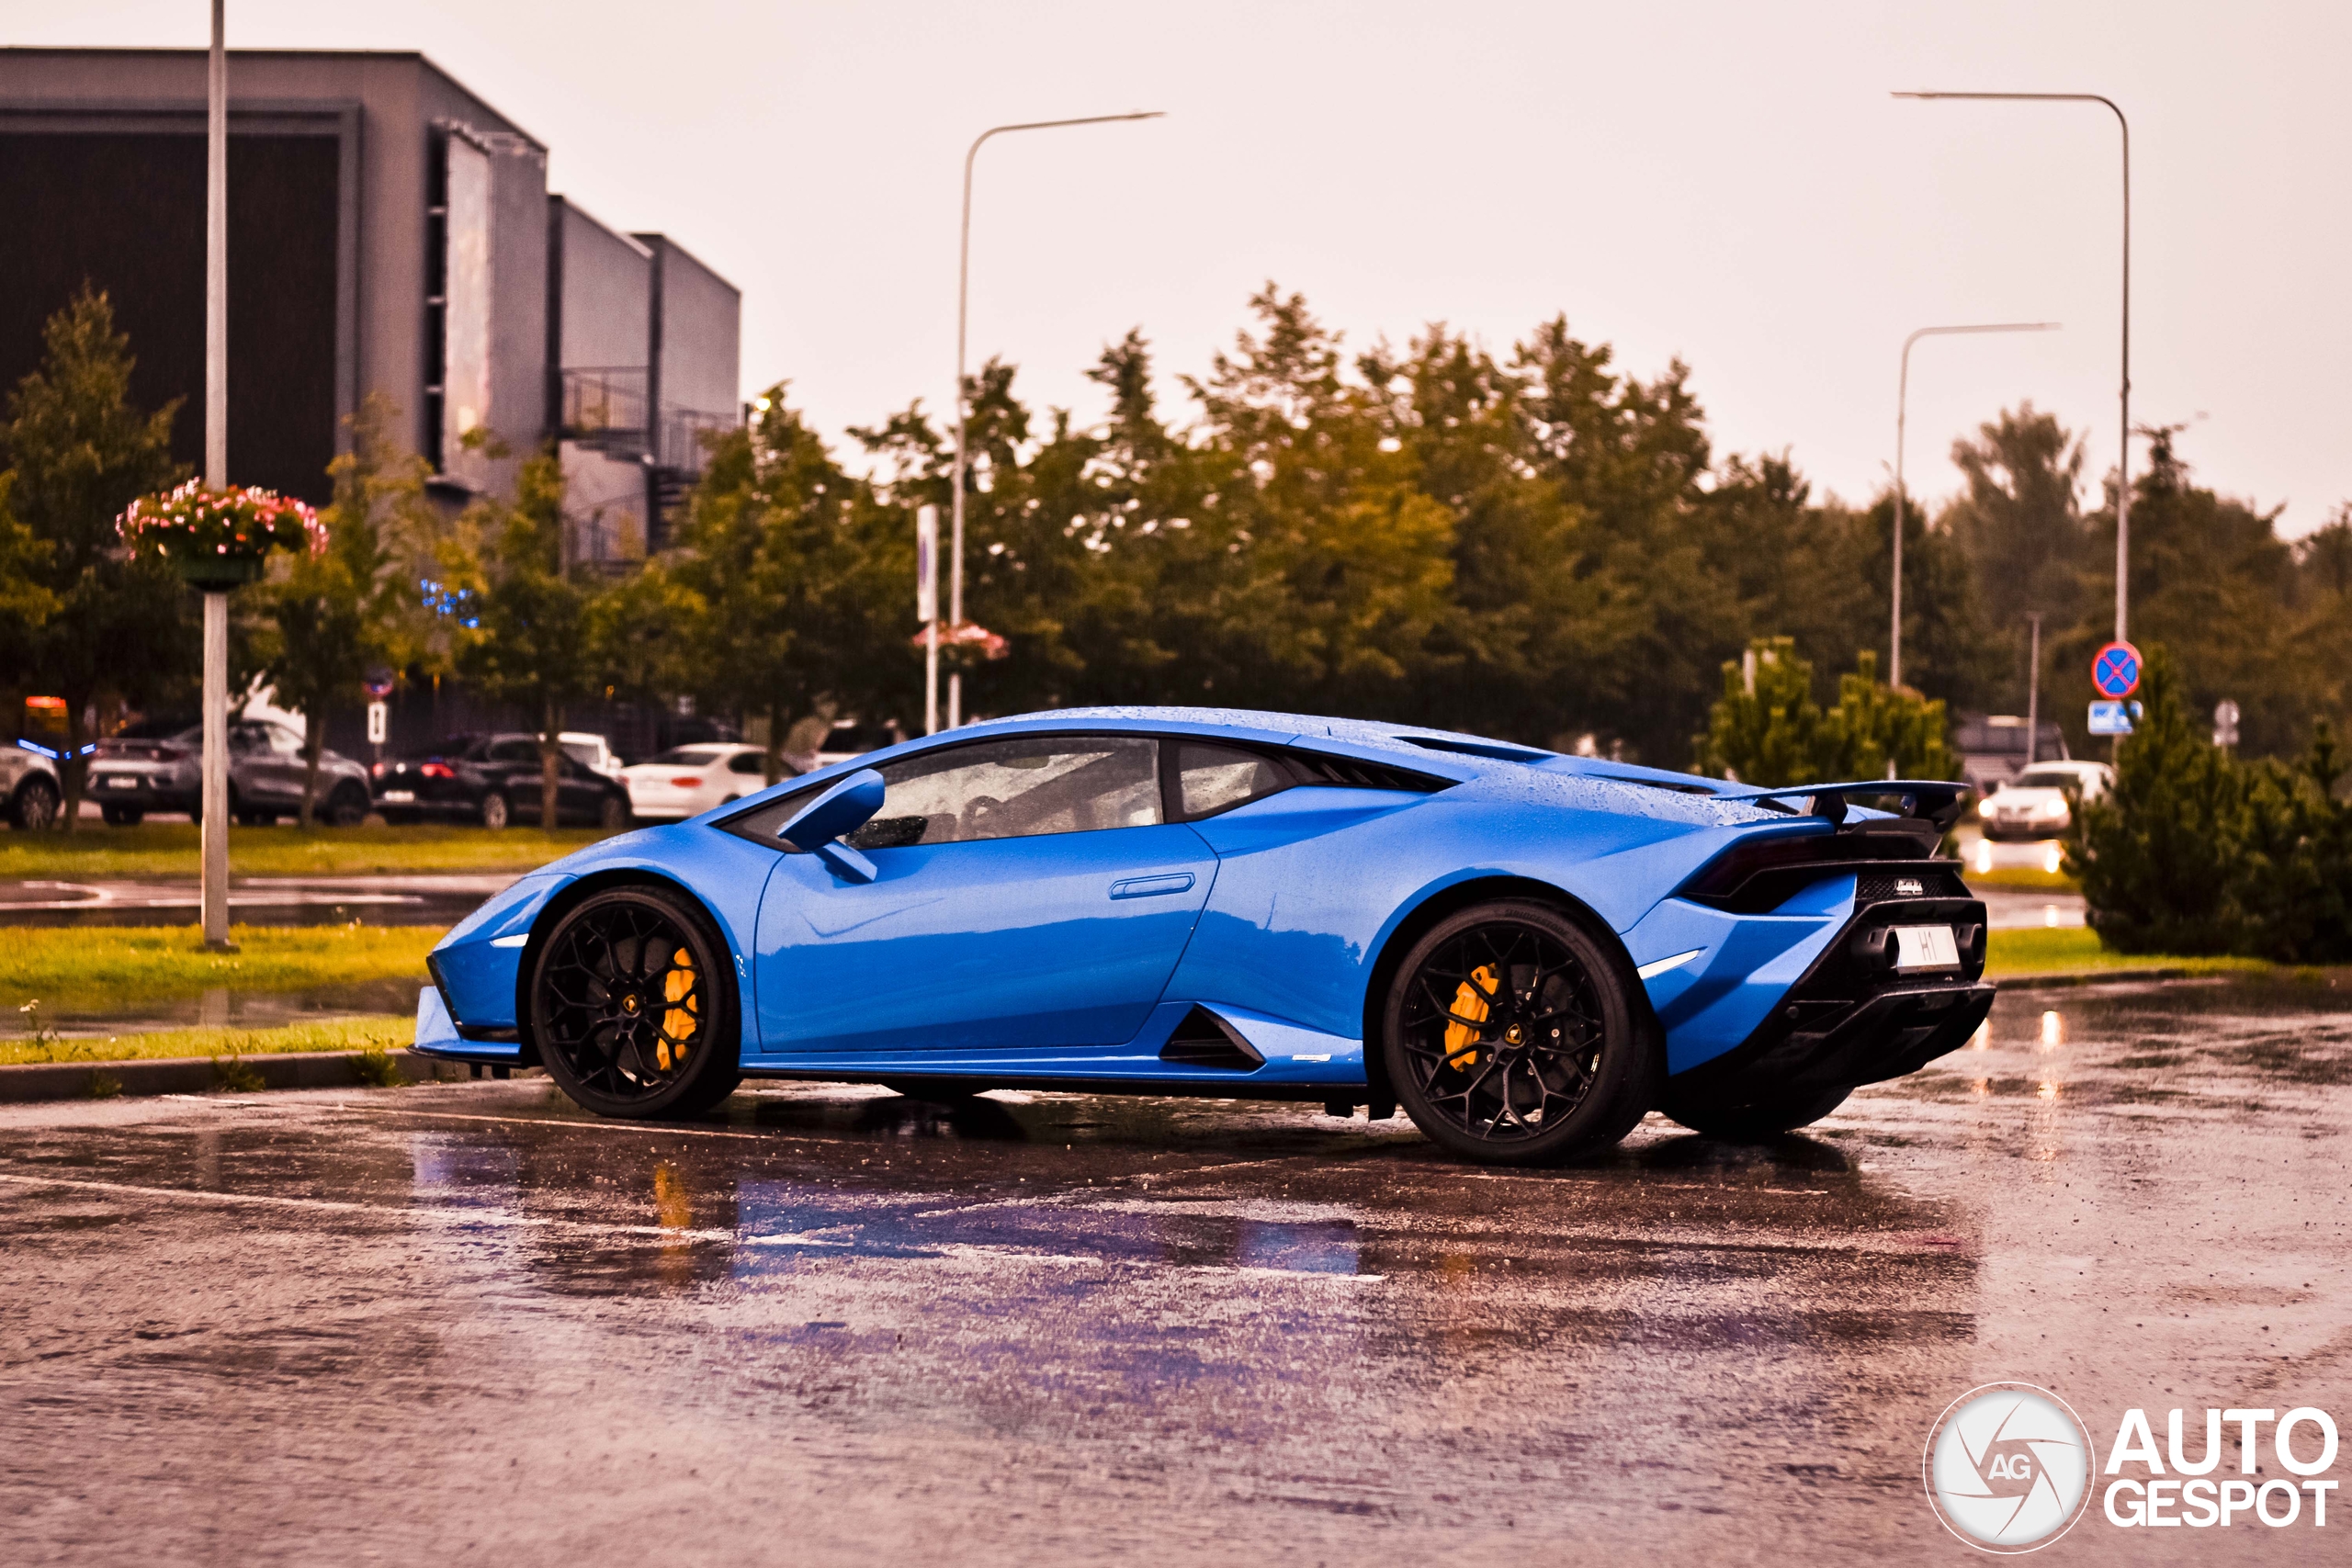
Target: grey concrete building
390	232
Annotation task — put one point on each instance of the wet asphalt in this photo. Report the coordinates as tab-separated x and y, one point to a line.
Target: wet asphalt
465	1323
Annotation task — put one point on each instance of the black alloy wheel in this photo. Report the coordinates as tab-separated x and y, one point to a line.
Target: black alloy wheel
1512	1038
632	1008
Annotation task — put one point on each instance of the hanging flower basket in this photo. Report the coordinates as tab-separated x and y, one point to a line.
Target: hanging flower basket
217	539
966	642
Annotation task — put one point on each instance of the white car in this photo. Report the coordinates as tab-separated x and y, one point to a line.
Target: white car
2033	804
689	779
848	739
592	752
30	791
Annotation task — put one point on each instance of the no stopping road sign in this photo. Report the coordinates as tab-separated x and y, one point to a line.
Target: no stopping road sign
2115	670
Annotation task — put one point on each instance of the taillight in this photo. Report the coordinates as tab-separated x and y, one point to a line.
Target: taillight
689	783
171	753
438	771
377	770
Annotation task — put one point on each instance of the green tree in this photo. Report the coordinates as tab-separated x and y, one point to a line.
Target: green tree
2020	529
328	620
80	453
519	613
806	577
1776	734
2155	855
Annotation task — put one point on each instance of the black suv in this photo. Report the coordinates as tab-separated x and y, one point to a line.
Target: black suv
493	780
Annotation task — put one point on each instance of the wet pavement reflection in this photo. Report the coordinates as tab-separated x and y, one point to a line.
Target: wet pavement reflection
828	1324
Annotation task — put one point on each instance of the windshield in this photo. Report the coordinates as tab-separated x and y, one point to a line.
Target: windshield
2046	778
155	729
686	757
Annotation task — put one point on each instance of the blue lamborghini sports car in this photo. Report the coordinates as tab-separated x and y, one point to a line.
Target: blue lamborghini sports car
1528	952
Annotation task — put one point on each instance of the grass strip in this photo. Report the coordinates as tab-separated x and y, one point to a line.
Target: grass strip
103	969
172	848
2024	878
379	1032
2077	951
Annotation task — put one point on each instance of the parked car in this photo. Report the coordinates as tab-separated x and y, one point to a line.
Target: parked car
851	739
1527	951
29	789
687	781
158	765
592	752
2033	804
493	780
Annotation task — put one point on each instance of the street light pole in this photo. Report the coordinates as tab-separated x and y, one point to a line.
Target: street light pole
214	895
963	300
2124	433
2033	692
1902	407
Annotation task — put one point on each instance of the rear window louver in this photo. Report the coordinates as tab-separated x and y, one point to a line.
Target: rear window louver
1347	772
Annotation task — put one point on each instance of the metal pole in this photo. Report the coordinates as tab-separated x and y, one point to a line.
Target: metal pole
2123	435
1902	405
2033	692
215	893
963	300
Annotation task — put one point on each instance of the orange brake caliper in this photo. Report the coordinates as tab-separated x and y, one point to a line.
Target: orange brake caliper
678	1024
1462	1038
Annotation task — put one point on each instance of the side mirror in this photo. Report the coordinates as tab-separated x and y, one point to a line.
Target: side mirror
840	811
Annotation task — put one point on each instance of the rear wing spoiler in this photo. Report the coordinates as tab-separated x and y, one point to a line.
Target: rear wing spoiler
1917	804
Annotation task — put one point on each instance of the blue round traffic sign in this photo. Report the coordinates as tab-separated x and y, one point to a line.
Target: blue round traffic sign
2115	670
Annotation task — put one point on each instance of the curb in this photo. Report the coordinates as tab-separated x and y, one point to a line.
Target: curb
202	1075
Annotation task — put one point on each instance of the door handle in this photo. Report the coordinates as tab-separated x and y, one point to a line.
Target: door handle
1149	886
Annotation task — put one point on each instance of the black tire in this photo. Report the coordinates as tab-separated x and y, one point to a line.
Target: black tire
1482	1082
347	806
609	1002
35	803
495	812
614	815
1756	1124
122	816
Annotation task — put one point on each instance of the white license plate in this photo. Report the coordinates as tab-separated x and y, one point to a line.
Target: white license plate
397	796
1926	947
119	783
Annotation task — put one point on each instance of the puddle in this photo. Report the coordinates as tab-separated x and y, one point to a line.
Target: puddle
221	1008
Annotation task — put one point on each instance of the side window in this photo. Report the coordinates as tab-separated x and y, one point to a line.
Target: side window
751	762
1017	789
247	740
1210	779
282	741
514	752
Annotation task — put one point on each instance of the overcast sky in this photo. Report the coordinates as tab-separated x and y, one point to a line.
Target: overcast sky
1726	182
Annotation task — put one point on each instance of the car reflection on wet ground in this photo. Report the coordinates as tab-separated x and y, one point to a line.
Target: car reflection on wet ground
830	1325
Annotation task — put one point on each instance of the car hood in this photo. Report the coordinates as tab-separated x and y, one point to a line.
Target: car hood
2027	799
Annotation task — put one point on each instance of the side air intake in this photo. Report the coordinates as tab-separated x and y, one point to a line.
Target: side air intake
1204	1040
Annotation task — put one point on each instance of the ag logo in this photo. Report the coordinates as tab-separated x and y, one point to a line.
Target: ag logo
2008	1467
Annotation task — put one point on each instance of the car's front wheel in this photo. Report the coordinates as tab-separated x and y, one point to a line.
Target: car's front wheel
1752	1123
1512	1038
347	806
35	807
634	1013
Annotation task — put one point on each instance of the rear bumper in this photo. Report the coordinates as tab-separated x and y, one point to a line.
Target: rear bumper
1848	1020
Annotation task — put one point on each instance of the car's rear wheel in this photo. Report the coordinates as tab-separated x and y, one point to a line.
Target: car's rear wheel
35	806
1512	1037
495	812
613	816
347	806
633	1010
122	816
1749	1123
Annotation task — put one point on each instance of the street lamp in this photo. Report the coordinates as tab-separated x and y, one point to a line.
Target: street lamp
1902	409
963	300
213	886
2123	433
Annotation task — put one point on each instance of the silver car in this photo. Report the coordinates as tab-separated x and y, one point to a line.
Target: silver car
158	765
29	792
